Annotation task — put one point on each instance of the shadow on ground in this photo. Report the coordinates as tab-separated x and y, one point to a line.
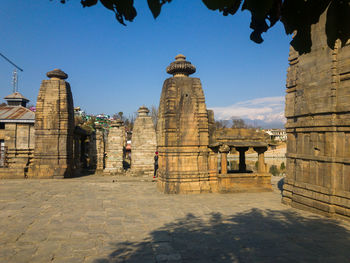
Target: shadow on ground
253	236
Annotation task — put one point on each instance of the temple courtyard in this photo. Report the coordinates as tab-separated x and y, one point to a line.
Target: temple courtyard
125	219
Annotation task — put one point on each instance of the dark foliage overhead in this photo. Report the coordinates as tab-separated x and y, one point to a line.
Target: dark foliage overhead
296	16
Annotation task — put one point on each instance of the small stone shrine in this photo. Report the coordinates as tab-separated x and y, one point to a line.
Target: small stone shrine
318	127
54	128
189	145
144	144
115	148
223	141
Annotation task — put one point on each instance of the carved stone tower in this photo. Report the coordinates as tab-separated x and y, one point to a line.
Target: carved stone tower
182	132
54	127
115	148
144	144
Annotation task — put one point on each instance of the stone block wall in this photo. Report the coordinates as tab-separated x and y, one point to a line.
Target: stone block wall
19	139
318	127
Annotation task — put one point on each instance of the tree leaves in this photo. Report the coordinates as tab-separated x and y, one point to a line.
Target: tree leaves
224	6
88	3
262	11
338	22
296	16
156	5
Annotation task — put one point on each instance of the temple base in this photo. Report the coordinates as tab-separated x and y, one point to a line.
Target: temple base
244	182
49	172
316	199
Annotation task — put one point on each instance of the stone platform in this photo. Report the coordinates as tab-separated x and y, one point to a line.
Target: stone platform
125	219
244	182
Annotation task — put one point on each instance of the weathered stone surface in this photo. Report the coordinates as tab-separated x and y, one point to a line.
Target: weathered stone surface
54	127
115	148
100	148
19	142
144	144
318	127
182	131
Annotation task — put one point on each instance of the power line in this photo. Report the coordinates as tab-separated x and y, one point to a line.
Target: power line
13	64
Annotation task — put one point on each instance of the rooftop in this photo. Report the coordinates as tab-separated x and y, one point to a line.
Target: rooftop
16	114
16	95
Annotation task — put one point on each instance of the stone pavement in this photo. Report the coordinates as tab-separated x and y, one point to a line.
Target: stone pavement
93	219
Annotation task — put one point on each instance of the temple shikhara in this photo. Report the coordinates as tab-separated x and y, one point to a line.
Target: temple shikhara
189	145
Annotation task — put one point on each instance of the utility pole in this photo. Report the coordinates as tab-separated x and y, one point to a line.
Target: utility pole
14	75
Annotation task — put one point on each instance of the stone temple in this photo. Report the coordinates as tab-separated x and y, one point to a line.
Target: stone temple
318	127
115	148
144	144
189	146
182	130
54	128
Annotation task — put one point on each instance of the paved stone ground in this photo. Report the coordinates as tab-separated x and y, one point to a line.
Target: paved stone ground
93	219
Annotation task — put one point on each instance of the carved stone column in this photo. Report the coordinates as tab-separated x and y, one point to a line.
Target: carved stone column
242	164
224	150
261	158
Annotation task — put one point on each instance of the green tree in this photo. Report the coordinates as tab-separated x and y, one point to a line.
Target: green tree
274	170
283	166
297	16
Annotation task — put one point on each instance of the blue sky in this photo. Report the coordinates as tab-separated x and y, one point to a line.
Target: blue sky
114	68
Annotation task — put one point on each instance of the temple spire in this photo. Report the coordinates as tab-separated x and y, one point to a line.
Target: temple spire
180	67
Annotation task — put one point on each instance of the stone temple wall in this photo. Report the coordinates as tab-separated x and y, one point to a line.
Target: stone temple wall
19	138
54	128
115	148
318	127
143	143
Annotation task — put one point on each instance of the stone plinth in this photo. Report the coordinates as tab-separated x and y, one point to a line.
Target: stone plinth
182	132
54	127
143	143
244	182
318	127
115	148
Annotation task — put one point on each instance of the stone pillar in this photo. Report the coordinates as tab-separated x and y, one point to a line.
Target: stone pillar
261	159
115	148
242	164
182	132
213	169
224	150
54	128
213	163
100	147
143	143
